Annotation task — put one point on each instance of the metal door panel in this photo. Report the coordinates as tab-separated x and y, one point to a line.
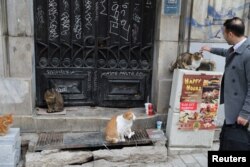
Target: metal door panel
78	42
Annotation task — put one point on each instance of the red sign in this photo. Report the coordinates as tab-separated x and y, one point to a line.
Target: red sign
188	106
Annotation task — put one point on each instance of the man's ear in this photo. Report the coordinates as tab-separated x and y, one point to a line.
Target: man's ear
230	34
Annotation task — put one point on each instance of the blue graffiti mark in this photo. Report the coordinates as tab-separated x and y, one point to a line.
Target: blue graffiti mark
230	13
194	23
207	23
216	18
216	15
206	27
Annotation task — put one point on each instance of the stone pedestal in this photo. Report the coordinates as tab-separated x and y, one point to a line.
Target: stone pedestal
187	138
10	145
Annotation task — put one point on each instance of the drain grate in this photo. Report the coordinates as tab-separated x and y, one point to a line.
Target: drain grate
49	140
86	140
140	137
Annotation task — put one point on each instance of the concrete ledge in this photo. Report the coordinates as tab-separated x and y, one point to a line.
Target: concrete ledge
183	150
83	119
191	150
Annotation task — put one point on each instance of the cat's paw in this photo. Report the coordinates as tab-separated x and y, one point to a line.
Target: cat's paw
131	134
123	140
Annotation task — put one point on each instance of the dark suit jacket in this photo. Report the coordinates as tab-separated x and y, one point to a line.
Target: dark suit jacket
236	82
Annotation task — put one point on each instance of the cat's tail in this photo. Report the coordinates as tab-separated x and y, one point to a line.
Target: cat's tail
173	66
111	140
207	65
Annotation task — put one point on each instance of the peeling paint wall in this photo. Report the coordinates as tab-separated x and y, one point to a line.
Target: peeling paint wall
209	15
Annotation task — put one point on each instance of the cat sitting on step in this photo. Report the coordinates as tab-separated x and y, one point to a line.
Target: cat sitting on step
54	100
5	122
119	127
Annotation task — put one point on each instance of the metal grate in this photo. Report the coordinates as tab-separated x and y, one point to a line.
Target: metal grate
86	140
49	140
140	137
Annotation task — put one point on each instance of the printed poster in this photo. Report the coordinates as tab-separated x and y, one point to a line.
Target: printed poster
199	101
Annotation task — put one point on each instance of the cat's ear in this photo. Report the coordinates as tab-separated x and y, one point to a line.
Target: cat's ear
10	115
129	115
199	53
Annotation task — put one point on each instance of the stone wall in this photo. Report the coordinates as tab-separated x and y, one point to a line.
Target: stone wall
3	32
17	82
166	49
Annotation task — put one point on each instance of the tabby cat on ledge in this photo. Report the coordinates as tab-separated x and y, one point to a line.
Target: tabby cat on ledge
54	100
192	61
189	61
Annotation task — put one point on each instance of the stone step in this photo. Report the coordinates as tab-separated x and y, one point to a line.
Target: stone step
115	157
83	119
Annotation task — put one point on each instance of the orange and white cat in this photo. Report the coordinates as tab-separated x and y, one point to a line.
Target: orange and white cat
119	127
5	122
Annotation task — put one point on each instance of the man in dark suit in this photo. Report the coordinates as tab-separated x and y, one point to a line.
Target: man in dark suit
235	90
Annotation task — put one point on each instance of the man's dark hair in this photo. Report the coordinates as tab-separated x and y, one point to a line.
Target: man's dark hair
235	25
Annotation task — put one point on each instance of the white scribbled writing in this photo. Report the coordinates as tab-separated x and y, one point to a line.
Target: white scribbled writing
40	15
88	17
77	28
65	22
115	21
53	14
122	73
65	19
103	12
57	72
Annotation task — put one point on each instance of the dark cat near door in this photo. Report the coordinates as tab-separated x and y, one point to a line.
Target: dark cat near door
54	100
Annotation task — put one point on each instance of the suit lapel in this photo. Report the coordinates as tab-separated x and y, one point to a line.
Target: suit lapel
238	52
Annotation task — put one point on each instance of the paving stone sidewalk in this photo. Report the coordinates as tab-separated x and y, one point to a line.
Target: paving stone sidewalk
149	156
